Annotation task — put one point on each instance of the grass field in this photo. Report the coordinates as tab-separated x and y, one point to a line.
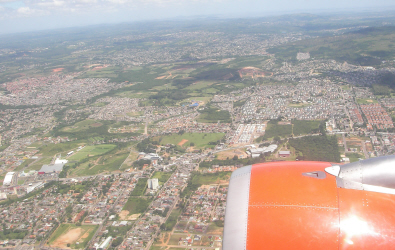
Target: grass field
24	164
200	85
205	179
107	163
162	176
82	125
92	151
366	101
108	72
129	160
62	148
172	220
38	164
140	187
305	127
201	140
300	128
71	234
213	115
354	156
136	205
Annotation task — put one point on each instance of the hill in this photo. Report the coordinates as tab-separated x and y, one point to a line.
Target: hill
366	47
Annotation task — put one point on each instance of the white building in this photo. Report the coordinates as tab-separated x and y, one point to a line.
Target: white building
59	161
153	183
105	244
8	178
34	186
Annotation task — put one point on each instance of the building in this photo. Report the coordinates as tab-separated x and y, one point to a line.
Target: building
3	196
59	161
302	56
153	183
284	153
105	244
47	169
9	178
34	186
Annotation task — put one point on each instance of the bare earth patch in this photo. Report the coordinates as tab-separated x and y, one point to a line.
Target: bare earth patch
123	214
133	217
69	238
230	154
57	70
98	124
182	142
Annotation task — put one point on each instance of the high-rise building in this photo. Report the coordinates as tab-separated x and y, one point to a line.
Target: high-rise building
153	183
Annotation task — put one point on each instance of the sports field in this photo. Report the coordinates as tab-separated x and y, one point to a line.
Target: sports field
77	237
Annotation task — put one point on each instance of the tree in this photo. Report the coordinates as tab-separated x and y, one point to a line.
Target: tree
235	158
117	242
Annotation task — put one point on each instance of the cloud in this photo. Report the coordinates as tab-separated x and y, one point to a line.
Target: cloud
8	1
25	11
55	3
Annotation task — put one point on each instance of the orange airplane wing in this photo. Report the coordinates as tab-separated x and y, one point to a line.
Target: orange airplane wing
312	205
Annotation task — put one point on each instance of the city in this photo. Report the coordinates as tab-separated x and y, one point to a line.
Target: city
129	142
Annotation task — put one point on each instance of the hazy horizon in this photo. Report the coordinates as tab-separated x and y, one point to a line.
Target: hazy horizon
33	15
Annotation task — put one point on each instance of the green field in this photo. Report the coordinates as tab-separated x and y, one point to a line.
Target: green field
317	148
92	151
62	148
305	127
354	156
82	125
162	176
136	205
38	164
200	85
274	130
205	179
101	164
109	72
201	140
213	115
24	164
140	187
366	101
198	179
63	229
299	128
171	221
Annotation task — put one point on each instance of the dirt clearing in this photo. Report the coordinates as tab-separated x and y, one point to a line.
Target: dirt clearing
182	142
69	238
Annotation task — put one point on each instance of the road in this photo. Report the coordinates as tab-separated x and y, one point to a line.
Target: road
365	152
344	143
149	244
105	219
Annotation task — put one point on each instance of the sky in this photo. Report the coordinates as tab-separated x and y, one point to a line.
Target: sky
30	15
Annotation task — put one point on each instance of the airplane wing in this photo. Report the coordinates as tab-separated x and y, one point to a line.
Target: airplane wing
312	205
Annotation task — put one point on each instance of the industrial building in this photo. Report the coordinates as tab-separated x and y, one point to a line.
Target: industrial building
105	244
256	152
47	169
9	178
153	183
284	153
